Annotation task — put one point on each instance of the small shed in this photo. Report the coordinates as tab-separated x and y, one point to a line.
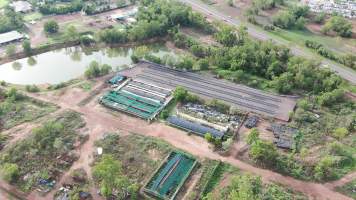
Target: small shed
21	6
12	36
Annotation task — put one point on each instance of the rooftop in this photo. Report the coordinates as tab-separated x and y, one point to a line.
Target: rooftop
10	36
21	6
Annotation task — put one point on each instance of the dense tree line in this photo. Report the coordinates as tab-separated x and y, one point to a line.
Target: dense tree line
155	19
50	8
348	60
10	20
262	59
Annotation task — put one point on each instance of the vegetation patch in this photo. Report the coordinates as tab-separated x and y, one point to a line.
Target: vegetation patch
349	189
16	108
139	155
251	187
36	162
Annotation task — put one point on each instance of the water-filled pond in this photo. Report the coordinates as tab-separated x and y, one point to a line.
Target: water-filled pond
68	63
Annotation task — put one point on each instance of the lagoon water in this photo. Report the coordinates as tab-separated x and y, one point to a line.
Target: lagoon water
62	65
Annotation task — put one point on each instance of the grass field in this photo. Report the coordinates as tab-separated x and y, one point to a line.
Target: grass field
24	110
32	16
3	3
336	44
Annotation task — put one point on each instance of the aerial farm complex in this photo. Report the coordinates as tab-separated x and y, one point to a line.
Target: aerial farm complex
177	100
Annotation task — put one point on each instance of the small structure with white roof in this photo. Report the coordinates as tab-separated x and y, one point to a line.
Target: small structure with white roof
21	6
9	37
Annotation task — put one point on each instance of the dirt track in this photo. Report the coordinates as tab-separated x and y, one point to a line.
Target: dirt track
99	120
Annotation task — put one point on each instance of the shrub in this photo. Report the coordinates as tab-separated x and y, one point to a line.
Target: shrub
32	88
340	133
51	26
10	172
95	70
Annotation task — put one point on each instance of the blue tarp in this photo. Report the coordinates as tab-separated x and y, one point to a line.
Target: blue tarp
116	79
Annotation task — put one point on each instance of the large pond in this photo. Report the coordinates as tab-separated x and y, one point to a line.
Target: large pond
68	63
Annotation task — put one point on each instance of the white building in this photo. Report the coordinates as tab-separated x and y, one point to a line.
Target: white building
346	8
9	37
21	6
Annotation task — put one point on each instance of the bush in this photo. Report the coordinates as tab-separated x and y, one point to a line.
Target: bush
340	133
26	45
9	172
51	26
164	114
180	94
283	19
95	70
264	153
324	170
32	88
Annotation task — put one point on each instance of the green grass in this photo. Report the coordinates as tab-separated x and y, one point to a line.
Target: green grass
24	110
3	3
86	86
32	16
336	44
348	189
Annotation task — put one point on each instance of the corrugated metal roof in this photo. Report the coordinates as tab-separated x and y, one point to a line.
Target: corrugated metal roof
194	127
10	36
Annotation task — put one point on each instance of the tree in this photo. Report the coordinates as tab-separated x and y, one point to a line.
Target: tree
253	136
10	49
226	36
338	24
264	153
51	26
109	173
284	19
26	45
10	172
180	93
93	70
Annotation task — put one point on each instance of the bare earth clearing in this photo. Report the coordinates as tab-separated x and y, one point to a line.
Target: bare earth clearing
100	120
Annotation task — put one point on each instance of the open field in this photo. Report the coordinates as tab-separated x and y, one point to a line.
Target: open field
23	110
244	98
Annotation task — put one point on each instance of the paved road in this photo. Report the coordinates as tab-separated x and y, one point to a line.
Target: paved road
346	73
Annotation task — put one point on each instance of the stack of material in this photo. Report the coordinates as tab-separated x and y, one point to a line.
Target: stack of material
251	122
284	135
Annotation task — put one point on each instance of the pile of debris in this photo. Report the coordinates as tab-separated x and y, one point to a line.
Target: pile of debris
251	121
209	114
284	135
45	185
76	186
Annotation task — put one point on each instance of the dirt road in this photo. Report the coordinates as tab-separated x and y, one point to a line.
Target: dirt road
100	120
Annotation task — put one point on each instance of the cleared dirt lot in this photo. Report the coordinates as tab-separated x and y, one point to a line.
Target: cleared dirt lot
244	98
